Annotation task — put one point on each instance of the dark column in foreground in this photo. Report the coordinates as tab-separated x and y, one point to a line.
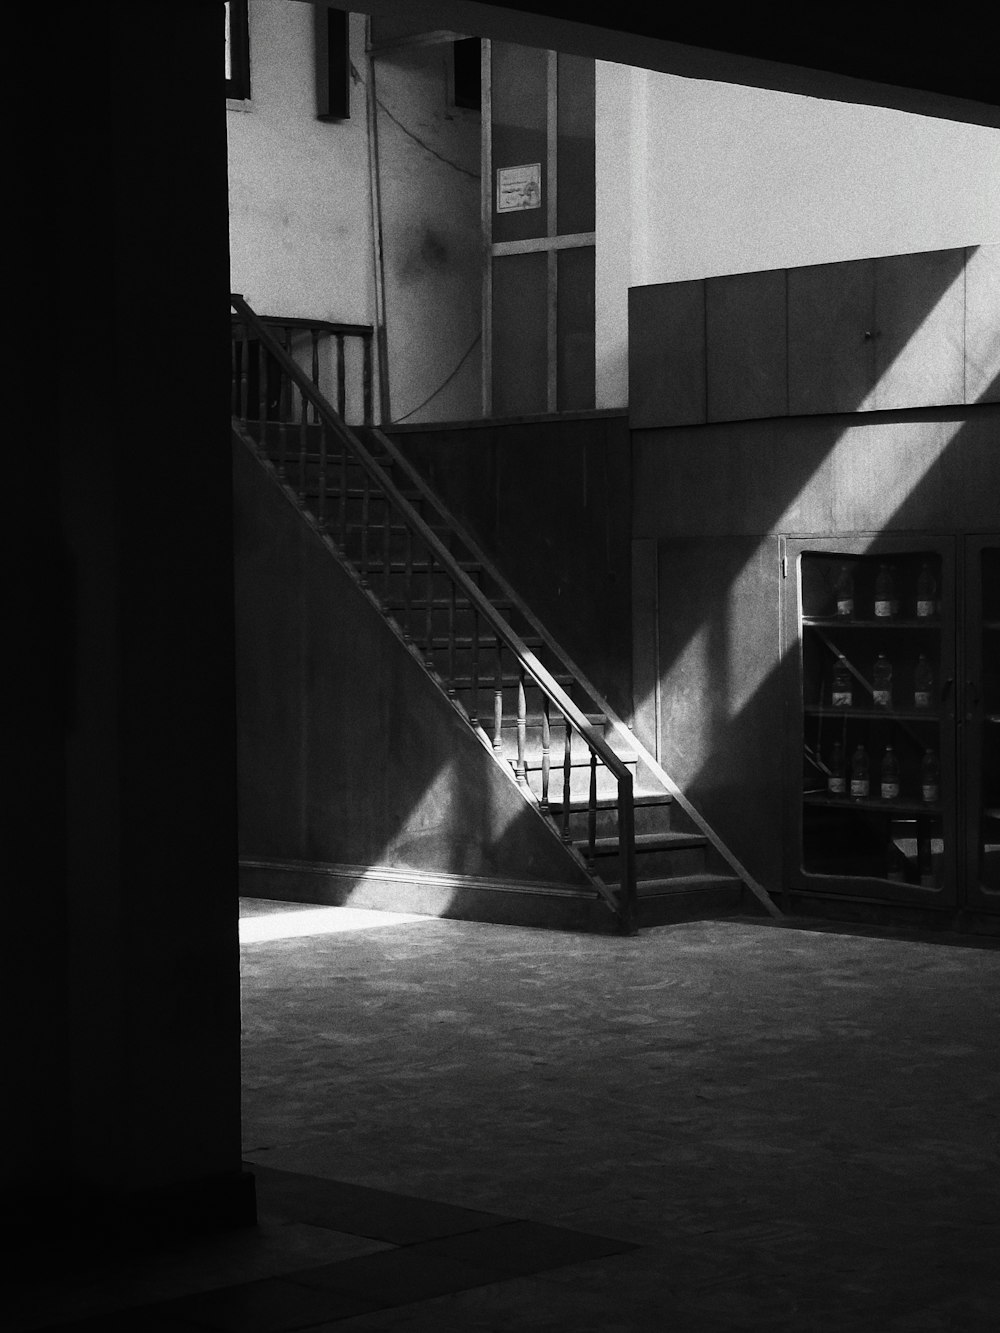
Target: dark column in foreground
124	949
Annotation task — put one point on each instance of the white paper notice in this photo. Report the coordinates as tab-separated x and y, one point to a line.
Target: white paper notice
519	187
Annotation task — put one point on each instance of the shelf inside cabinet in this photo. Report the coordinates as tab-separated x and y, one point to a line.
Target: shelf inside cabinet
899	806
881	714
882	622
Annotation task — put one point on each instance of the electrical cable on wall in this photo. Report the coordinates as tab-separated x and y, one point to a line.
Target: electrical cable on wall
444	384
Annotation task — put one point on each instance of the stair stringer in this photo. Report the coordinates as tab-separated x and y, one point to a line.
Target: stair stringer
622	731
465	837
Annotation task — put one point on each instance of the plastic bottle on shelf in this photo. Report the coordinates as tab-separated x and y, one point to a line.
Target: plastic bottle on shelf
930	778
886	602
923	683
836	782
889	775
926	592
845	592
882	682
860	785
842	694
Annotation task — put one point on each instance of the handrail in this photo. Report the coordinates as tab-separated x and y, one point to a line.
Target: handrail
322	325
527	660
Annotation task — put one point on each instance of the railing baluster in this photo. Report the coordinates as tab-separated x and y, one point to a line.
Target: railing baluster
521	768
342	501
386	549
234	359
408	584
474	671
321	480
498	699
451	638
303	442
367	379
341	377
546	746
286	384
365	502
314	335
262	402
567	774
429	616
281	405
245	373
592	812
629	903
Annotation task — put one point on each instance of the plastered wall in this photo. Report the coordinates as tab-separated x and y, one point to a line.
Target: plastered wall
301	208
299	198
697	179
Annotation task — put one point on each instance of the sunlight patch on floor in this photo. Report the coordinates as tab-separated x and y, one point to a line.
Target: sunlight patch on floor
286	925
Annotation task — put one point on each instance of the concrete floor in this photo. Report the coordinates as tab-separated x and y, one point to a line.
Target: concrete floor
713	1126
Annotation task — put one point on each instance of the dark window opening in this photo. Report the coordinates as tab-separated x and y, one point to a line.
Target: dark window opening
467	73
237	49
333	64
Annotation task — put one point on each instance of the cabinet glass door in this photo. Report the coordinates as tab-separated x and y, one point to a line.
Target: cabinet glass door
981	722
876	800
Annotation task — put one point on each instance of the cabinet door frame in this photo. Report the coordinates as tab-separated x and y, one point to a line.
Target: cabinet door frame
868	888
972	722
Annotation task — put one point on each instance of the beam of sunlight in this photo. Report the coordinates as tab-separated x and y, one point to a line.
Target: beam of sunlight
289	925
844	456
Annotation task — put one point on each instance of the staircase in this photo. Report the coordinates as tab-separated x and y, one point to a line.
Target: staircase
644	855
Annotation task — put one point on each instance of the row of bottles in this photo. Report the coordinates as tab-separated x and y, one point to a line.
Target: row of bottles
860	774
887	603
842	692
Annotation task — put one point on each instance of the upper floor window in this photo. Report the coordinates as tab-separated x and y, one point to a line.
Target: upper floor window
237	49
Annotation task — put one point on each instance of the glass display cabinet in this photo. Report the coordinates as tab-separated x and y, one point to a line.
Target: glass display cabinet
894	649
874	731
981	721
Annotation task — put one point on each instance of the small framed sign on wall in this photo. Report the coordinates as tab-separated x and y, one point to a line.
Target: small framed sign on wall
519	188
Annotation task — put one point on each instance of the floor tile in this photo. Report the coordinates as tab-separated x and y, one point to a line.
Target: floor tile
380	1214
396	1277
203	1264
520	1247
274	1305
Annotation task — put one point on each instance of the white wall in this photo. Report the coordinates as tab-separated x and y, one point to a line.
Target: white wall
301	211
431	233
299	193
298	187
697	179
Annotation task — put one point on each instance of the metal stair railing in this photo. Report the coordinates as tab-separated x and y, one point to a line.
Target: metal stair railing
315	448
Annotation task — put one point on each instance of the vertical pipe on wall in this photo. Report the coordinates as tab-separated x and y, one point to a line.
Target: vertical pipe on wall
552	223
375	198
487	224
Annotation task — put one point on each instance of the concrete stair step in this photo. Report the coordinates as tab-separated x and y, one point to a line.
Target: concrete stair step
660	856
689	898
651	810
